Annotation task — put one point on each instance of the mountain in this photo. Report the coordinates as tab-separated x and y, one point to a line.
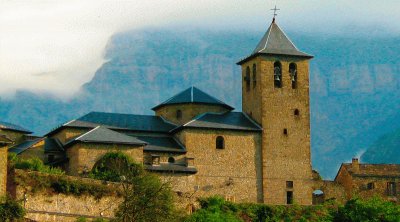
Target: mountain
354	84
385	150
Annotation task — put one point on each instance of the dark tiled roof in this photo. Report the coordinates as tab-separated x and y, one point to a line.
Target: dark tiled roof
171	168
101	134
125	121
193	95
10	126
227	121
117	121
162	144
275	42
17	149
374	170
52	145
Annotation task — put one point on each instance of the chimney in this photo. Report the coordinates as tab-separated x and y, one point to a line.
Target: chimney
355	165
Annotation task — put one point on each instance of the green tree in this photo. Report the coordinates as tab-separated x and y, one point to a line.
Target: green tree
372	210
113	165
10	210
145	196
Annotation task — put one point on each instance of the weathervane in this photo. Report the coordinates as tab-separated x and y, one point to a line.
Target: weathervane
275	9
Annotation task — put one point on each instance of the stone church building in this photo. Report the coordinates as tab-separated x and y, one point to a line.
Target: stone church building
204	148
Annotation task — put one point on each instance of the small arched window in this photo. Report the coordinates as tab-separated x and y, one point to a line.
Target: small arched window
220	142
254	75
247	78
296	112
171	160
179	114
293	74
277	74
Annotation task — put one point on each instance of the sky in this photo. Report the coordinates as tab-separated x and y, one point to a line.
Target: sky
54	47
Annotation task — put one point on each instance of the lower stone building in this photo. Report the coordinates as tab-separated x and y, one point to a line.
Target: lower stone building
368	180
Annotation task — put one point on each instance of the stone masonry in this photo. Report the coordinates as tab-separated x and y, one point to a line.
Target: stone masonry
286	157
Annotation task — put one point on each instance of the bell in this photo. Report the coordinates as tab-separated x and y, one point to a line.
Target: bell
277	78
293	78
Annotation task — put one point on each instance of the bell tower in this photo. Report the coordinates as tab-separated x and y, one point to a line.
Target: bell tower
275	93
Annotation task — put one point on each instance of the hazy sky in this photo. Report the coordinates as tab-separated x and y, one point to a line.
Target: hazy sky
54	47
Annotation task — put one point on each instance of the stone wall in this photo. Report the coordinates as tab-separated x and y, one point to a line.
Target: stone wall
3	170
179	157
45	206
331	190
286	136
344	178
233	172
189	111
369	186
83	156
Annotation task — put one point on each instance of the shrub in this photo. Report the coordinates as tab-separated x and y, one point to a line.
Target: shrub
33	164
10	210
36	181
374	209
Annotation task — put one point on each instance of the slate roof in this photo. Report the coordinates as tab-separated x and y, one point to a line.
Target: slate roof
171	168
193	95
13	127
117	121
101	134
225	121
275	42
17	149
162	144
52	145
374	170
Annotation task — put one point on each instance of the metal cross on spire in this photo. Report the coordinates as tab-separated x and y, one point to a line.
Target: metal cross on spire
275	9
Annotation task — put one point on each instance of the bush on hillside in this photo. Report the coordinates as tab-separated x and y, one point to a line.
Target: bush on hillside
374	209
10	210
32	164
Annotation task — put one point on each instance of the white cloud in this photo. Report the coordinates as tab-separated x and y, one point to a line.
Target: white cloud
56	46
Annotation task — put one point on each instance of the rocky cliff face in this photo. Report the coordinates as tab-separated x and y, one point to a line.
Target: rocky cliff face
354	84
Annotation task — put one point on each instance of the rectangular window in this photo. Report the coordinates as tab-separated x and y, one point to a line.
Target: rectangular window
289	184
391	188
289	197
370	186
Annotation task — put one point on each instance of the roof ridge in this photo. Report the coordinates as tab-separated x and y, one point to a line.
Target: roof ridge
90	131
196	118
266	42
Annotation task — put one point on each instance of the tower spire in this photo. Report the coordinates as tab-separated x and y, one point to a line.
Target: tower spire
274	9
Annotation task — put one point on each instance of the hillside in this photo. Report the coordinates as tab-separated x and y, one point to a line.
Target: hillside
354	84
385	150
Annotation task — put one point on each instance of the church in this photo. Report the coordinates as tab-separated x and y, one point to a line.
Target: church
203	147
